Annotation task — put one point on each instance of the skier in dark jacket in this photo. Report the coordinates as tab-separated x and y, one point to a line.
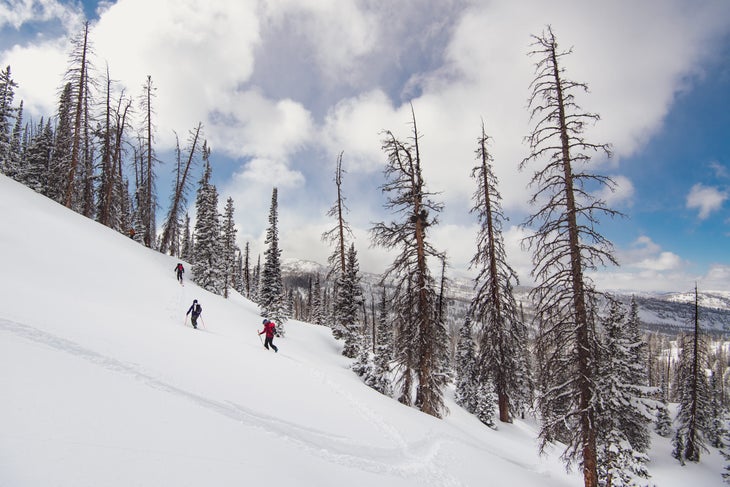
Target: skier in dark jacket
269	329
196	310
179	269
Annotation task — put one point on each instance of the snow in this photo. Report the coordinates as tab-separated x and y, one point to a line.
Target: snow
104	384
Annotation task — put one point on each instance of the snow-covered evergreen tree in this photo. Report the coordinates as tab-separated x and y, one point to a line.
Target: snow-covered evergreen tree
207	247
486	398
624	410
57	177
467	369
693	421
363	366
246	272
38	159
186	247
663	426
272	299
229	249
383	348
8	115
317	313
238	283
256	281
17	145
349	302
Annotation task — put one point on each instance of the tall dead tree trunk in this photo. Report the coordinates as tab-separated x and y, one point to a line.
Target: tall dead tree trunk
565	244
178	197
78	119
424	335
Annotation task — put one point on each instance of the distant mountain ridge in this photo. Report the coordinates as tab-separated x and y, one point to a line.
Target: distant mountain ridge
668	313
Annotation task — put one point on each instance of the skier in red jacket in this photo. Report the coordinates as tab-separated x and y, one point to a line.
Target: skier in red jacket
270	330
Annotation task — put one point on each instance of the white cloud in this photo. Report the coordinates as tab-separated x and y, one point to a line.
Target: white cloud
338	32
717	278
354	126
17	12
38	69
665	261
621	194
248	124
720	171
705	199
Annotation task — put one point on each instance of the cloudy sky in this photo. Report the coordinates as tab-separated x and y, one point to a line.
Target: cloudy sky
283	86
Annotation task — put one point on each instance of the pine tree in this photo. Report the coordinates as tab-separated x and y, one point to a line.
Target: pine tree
317	311
422	333
58	172
502	348
717	426
486	398
16	152
467	367
663	426
238	284
565	245
349	302
8	116
636	381
694	413
383	349
623	411
272	299
228	247
246	289
207	248
38	158
256	280
186	248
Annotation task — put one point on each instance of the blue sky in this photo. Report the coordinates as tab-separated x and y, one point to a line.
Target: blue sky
283	86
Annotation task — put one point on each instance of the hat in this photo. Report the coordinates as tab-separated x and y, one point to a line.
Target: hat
195	301
265	321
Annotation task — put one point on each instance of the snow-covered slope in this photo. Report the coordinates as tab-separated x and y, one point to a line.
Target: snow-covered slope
103	384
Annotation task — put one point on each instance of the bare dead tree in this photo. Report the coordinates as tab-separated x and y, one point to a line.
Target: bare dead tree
421	335
502	349
565	245
339	233
171	227
77	75
146	193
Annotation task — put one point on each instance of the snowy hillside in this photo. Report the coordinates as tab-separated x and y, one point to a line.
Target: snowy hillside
103	384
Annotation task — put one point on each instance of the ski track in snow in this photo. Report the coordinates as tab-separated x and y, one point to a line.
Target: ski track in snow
416	461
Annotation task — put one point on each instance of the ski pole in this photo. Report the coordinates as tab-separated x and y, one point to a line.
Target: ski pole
259	334
203	322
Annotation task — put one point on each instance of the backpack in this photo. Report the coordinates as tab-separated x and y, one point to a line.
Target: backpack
198	309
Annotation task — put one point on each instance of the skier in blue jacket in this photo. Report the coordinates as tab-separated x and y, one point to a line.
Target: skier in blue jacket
194	311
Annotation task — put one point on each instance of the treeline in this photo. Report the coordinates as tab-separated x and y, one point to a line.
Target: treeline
582	366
